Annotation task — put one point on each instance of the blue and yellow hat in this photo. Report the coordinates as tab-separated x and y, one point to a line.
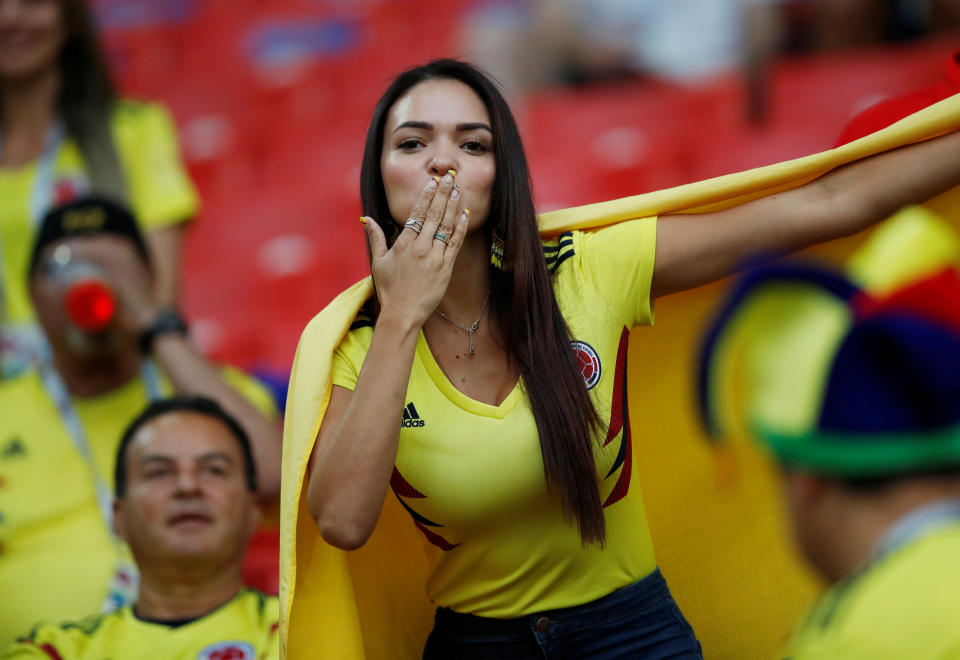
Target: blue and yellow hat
841	381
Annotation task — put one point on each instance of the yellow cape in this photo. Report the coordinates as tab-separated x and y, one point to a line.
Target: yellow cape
371	603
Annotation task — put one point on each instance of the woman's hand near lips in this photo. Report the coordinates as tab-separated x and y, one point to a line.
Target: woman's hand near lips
348	479
411	277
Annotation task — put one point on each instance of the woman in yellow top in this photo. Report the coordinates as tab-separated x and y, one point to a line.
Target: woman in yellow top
484	383
63	134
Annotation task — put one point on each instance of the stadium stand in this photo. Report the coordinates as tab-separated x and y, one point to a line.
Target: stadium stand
271	100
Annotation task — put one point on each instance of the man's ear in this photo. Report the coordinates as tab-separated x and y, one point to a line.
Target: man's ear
804	489
118	521
254	516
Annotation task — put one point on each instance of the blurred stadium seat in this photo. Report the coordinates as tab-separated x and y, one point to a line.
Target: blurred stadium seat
260	564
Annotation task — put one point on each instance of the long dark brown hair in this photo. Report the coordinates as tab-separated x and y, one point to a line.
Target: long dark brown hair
86	100
521	295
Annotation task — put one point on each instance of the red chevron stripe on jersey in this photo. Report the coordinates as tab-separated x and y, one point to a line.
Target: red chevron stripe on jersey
402	487
620	420
618	412
49	650
435	538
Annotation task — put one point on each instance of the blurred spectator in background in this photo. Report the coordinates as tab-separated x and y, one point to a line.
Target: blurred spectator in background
62	421
186	505
64	133
852	23
890	110
918	239
547	42
856	396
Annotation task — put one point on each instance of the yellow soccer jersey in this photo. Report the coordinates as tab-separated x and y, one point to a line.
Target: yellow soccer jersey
904	607
56	557
159	189
243	629
471	474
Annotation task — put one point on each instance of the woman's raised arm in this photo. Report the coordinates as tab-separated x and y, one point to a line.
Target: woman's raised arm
356	446
697	249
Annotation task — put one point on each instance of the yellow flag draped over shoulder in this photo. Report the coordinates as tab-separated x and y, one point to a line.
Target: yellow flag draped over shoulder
371	603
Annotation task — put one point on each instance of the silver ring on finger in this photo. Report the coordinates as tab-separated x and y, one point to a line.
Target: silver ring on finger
413	224
440	236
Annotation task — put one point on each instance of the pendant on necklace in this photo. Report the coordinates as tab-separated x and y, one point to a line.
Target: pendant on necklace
468	329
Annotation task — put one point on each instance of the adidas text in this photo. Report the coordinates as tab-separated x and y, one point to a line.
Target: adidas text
411	418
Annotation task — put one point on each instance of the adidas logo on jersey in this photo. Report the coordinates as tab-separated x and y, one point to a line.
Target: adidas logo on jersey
410	418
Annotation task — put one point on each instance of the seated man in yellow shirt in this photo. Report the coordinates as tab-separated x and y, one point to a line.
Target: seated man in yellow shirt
858	399
59	558
186	505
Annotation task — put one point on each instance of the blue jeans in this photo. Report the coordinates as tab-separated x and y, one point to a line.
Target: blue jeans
639	621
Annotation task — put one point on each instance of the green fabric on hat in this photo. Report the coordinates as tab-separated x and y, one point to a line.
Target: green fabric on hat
864	454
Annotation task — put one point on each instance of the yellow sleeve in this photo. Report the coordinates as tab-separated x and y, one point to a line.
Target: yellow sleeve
617	262
348	358
45	641
160	189
252	390
272	652
22	651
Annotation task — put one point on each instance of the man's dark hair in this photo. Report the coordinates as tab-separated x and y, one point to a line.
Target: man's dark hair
87	216
866	485
195	404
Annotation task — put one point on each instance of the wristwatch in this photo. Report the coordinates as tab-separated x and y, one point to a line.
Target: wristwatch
167	321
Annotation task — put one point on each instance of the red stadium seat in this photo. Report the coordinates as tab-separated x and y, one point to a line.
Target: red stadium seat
610	141
261	566
279	254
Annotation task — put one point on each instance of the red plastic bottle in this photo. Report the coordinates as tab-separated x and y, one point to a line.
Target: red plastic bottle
87	296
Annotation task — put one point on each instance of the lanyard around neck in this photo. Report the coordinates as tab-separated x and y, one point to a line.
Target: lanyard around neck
915	524
42	191
58	393
907	529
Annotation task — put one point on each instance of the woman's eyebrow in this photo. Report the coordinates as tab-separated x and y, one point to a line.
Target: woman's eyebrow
427	126
473	126
414	124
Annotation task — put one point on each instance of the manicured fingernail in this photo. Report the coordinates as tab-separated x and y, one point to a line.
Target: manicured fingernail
363	220
452	172
448	177
466	213
434	182
455	193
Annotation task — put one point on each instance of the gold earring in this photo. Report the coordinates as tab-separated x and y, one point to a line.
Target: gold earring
496	250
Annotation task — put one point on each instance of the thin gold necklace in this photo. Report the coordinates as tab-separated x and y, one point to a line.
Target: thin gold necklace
468	329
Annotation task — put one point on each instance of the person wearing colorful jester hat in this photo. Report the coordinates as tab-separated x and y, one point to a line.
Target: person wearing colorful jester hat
857	397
